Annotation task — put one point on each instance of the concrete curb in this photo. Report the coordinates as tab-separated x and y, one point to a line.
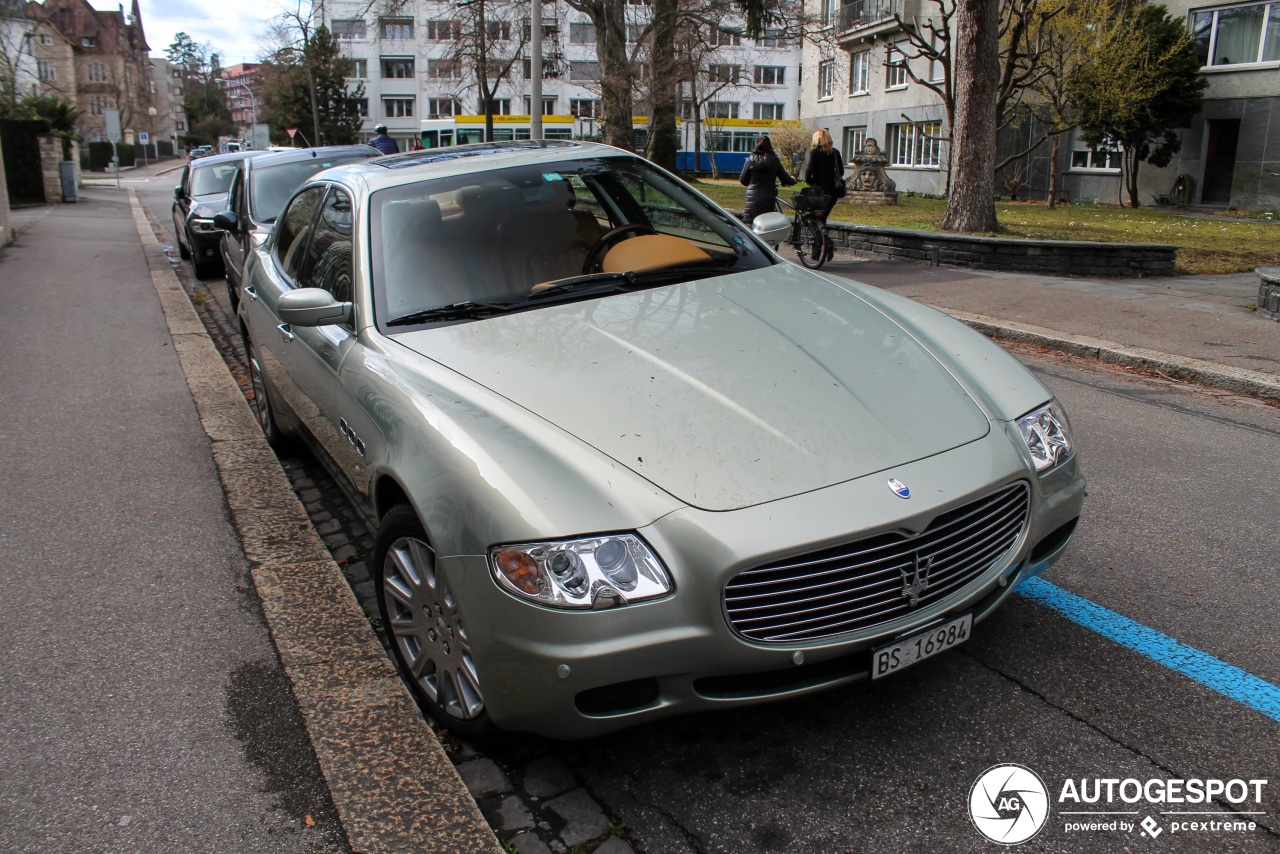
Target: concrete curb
1183	368
392	784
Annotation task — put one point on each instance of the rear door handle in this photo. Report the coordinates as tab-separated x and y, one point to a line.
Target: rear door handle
285	331
250	292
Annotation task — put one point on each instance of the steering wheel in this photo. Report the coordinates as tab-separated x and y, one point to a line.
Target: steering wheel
595	255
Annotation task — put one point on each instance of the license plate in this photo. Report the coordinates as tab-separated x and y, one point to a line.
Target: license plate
906	652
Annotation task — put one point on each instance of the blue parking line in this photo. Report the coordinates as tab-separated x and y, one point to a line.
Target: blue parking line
1226	679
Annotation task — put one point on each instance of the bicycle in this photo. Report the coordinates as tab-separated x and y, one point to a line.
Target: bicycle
808	229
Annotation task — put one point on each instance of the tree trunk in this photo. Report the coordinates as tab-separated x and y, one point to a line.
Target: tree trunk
1053	171
971	205
1131	179
664	141
615	72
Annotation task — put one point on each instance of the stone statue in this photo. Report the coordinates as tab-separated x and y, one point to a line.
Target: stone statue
870	184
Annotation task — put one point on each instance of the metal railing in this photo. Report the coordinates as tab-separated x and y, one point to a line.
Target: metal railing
858	14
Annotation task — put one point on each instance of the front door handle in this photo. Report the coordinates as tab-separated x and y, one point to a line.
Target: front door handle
285	332
250	292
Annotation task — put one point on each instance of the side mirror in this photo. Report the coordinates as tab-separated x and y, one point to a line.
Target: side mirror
227	222
771	227
312	307
177	193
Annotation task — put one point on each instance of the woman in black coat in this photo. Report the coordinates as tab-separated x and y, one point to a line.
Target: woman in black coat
759	173
822	168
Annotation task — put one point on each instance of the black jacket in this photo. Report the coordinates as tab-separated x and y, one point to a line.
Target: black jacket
758	176
821	169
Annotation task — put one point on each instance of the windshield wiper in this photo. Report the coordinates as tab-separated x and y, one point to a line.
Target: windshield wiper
586	280
454	311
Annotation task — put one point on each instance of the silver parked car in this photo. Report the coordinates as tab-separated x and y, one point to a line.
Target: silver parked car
623	460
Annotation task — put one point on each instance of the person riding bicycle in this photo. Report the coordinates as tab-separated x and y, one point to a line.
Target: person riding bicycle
759	173
382	142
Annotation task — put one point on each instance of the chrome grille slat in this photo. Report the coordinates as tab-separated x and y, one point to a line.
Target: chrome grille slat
859	585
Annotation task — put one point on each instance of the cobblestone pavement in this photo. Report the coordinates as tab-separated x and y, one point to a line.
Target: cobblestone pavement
527	792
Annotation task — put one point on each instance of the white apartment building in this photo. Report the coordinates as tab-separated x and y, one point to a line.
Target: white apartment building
407	63
1230	155
170	115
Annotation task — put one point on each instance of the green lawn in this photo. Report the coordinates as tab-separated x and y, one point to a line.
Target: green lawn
1205	246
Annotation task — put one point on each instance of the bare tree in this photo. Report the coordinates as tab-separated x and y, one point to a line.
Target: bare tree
16	31
617	75
488	39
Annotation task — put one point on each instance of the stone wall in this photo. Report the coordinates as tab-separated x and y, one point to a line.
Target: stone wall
1049	257
1269	292
50	157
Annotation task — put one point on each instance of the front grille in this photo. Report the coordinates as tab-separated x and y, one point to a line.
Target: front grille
863	584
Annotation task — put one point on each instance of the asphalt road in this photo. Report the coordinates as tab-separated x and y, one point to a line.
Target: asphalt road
1178	536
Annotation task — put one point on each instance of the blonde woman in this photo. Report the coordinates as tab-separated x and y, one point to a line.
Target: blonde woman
822	167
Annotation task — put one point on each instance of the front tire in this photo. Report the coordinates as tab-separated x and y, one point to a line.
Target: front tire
424	625
813	244
261	403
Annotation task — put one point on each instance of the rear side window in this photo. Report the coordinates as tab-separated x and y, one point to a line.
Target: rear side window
294	229
327	262
207	180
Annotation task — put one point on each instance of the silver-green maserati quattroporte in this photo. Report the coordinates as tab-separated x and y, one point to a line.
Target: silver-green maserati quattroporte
623	460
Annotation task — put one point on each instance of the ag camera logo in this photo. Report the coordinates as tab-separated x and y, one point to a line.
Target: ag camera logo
1009	804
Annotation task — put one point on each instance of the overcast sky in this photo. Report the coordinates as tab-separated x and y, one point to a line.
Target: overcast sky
232	27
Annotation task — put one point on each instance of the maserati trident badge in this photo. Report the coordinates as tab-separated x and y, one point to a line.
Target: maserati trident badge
899	488
915	581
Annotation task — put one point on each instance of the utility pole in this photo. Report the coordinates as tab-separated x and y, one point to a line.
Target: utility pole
535	70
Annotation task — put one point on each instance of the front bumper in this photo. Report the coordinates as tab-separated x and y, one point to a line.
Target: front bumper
580	674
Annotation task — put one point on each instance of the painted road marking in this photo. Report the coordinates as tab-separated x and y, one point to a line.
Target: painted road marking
1226	679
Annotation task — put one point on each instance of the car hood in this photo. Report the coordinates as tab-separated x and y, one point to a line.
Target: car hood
725	392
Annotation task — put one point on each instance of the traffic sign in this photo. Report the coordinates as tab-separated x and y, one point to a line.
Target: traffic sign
144	137
291	131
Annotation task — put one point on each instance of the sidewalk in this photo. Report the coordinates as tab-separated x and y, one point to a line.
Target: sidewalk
182	672
1196	328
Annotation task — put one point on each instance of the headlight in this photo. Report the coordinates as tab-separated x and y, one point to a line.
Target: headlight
1047	434
592	572
203	226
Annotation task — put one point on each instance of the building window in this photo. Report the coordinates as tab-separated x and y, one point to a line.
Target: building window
826	78
828	12
396	28
87	41
720	110
1237	34
937	67
444	31
397	108
635	33
773	38
584	71
584	108
397	67
582	32
46	39
359	68
444	69
854	139
362	107
97	105
48	71
95	72
916	145
767	111
548	105
1104	156
550	70
860	72
895	69
437	107
639	2
498	31
352	30
501	106
179	125
770	75
724	73
724	38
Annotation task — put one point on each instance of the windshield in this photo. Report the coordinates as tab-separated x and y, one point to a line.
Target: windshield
207	180
513	239
272	186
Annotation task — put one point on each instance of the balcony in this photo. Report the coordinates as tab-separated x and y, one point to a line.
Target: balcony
866	17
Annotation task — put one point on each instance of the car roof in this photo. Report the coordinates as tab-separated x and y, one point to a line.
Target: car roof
395	170
215	159
295	155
